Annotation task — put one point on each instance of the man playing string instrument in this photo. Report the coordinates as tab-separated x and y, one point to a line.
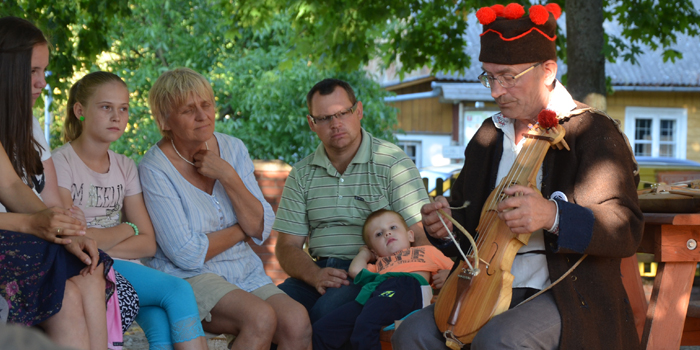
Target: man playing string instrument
586	203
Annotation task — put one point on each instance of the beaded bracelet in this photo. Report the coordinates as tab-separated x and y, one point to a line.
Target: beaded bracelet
136	229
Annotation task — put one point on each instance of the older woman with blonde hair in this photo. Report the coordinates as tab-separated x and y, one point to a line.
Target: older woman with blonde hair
206	206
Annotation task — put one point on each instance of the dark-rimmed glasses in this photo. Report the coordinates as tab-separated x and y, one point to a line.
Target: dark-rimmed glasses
340	116
506	80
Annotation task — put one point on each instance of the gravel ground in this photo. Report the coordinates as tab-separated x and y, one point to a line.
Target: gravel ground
135	339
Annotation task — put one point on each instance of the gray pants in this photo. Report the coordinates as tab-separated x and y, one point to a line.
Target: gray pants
533	325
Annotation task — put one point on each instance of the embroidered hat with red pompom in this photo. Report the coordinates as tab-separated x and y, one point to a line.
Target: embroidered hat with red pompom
512	37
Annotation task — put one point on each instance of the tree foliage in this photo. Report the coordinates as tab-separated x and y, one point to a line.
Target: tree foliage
263	55
75	29
418	33
651	23
258	102
260	96
347	34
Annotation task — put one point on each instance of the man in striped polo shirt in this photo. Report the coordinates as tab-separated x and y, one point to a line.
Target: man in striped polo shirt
329	194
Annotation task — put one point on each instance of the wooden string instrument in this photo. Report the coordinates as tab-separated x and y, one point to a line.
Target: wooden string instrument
470	296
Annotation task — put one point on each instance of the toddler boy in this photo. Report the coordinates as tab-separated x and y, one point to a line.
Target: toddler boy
392	285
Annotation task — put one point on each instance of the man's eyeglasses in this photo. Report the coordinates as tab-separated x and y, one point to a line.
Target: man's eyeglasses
506	80
340	116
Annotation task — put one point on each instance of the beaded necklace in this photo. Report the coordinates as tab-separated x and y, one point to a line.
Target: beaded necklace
180	155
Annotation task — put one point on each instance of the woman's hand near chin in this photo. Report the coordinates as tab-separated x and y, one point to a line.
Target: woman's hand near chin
209	164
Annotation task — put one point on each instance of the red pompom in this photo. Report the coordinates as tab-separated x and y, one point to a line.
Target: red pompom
538	14
498	8
547	118
554	9
513	11
486	15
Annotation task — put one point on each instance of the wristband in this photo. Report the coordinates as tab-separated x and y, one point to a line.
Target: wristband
136	229
555	228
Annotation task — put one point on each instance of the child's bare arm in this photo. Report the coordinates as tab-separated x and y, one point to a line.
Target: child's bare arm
440	278
360	261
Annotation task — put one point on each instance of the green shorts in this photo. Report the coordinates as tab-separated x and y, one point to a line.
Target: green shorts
209	288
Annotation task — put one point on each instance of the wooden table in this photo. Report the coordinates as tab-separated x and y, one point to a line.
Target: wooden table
674	239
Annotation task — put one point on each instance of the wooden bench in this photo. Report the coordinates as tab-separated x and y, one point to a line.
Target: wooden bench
385	338
674	241
691	327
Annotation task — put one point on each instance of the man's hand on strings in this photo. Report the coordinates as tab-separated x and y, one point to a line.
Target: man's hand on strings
526	210
431	221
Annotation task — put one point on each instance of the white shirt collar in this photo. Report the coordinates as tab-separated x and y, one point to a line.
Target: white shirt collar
560	100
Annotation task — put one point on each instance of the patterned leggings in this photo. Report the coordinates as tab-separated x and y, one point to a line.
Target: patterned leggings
168	308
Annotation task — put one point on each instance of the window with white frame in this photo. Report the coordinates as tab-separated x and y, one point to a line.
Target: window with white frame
657	132
471	122
412	150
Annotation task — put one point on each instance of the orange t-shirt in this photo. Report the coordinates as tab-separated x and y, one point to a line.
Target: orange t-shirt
414	259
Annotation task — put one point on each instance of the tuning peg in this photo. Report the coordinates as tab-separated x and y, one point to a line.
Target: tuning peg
566	145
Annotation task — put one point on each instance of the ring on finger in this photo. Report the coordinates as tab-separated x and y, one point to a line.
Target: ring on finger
59	230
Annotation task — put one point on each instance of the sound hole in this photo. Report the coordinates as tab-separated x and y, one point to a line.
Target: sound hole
489	271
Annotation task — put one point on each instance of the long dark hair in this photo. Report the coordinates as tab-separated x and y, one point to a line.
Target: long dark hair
17	40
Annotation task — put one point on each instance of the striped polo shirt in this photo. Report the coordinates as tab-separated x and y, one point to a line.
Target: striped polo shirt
331	207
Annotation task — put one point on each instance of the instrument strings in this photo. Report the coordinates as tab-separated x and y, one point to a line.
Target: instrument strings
531	148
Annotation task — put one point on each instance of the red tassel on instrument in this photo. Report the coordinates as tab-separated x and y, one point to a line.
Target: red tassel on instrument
547	118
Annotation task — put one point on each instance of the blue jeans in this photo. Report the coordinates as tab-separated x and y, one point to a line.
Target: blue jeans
321	305
360	325
168	312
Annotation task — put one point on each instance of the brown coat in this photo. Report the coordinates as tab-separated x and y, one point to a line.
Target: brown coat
602	219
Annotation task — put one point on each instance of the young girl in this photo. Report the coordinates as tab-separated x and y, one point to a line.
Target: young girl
42	251
106	185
